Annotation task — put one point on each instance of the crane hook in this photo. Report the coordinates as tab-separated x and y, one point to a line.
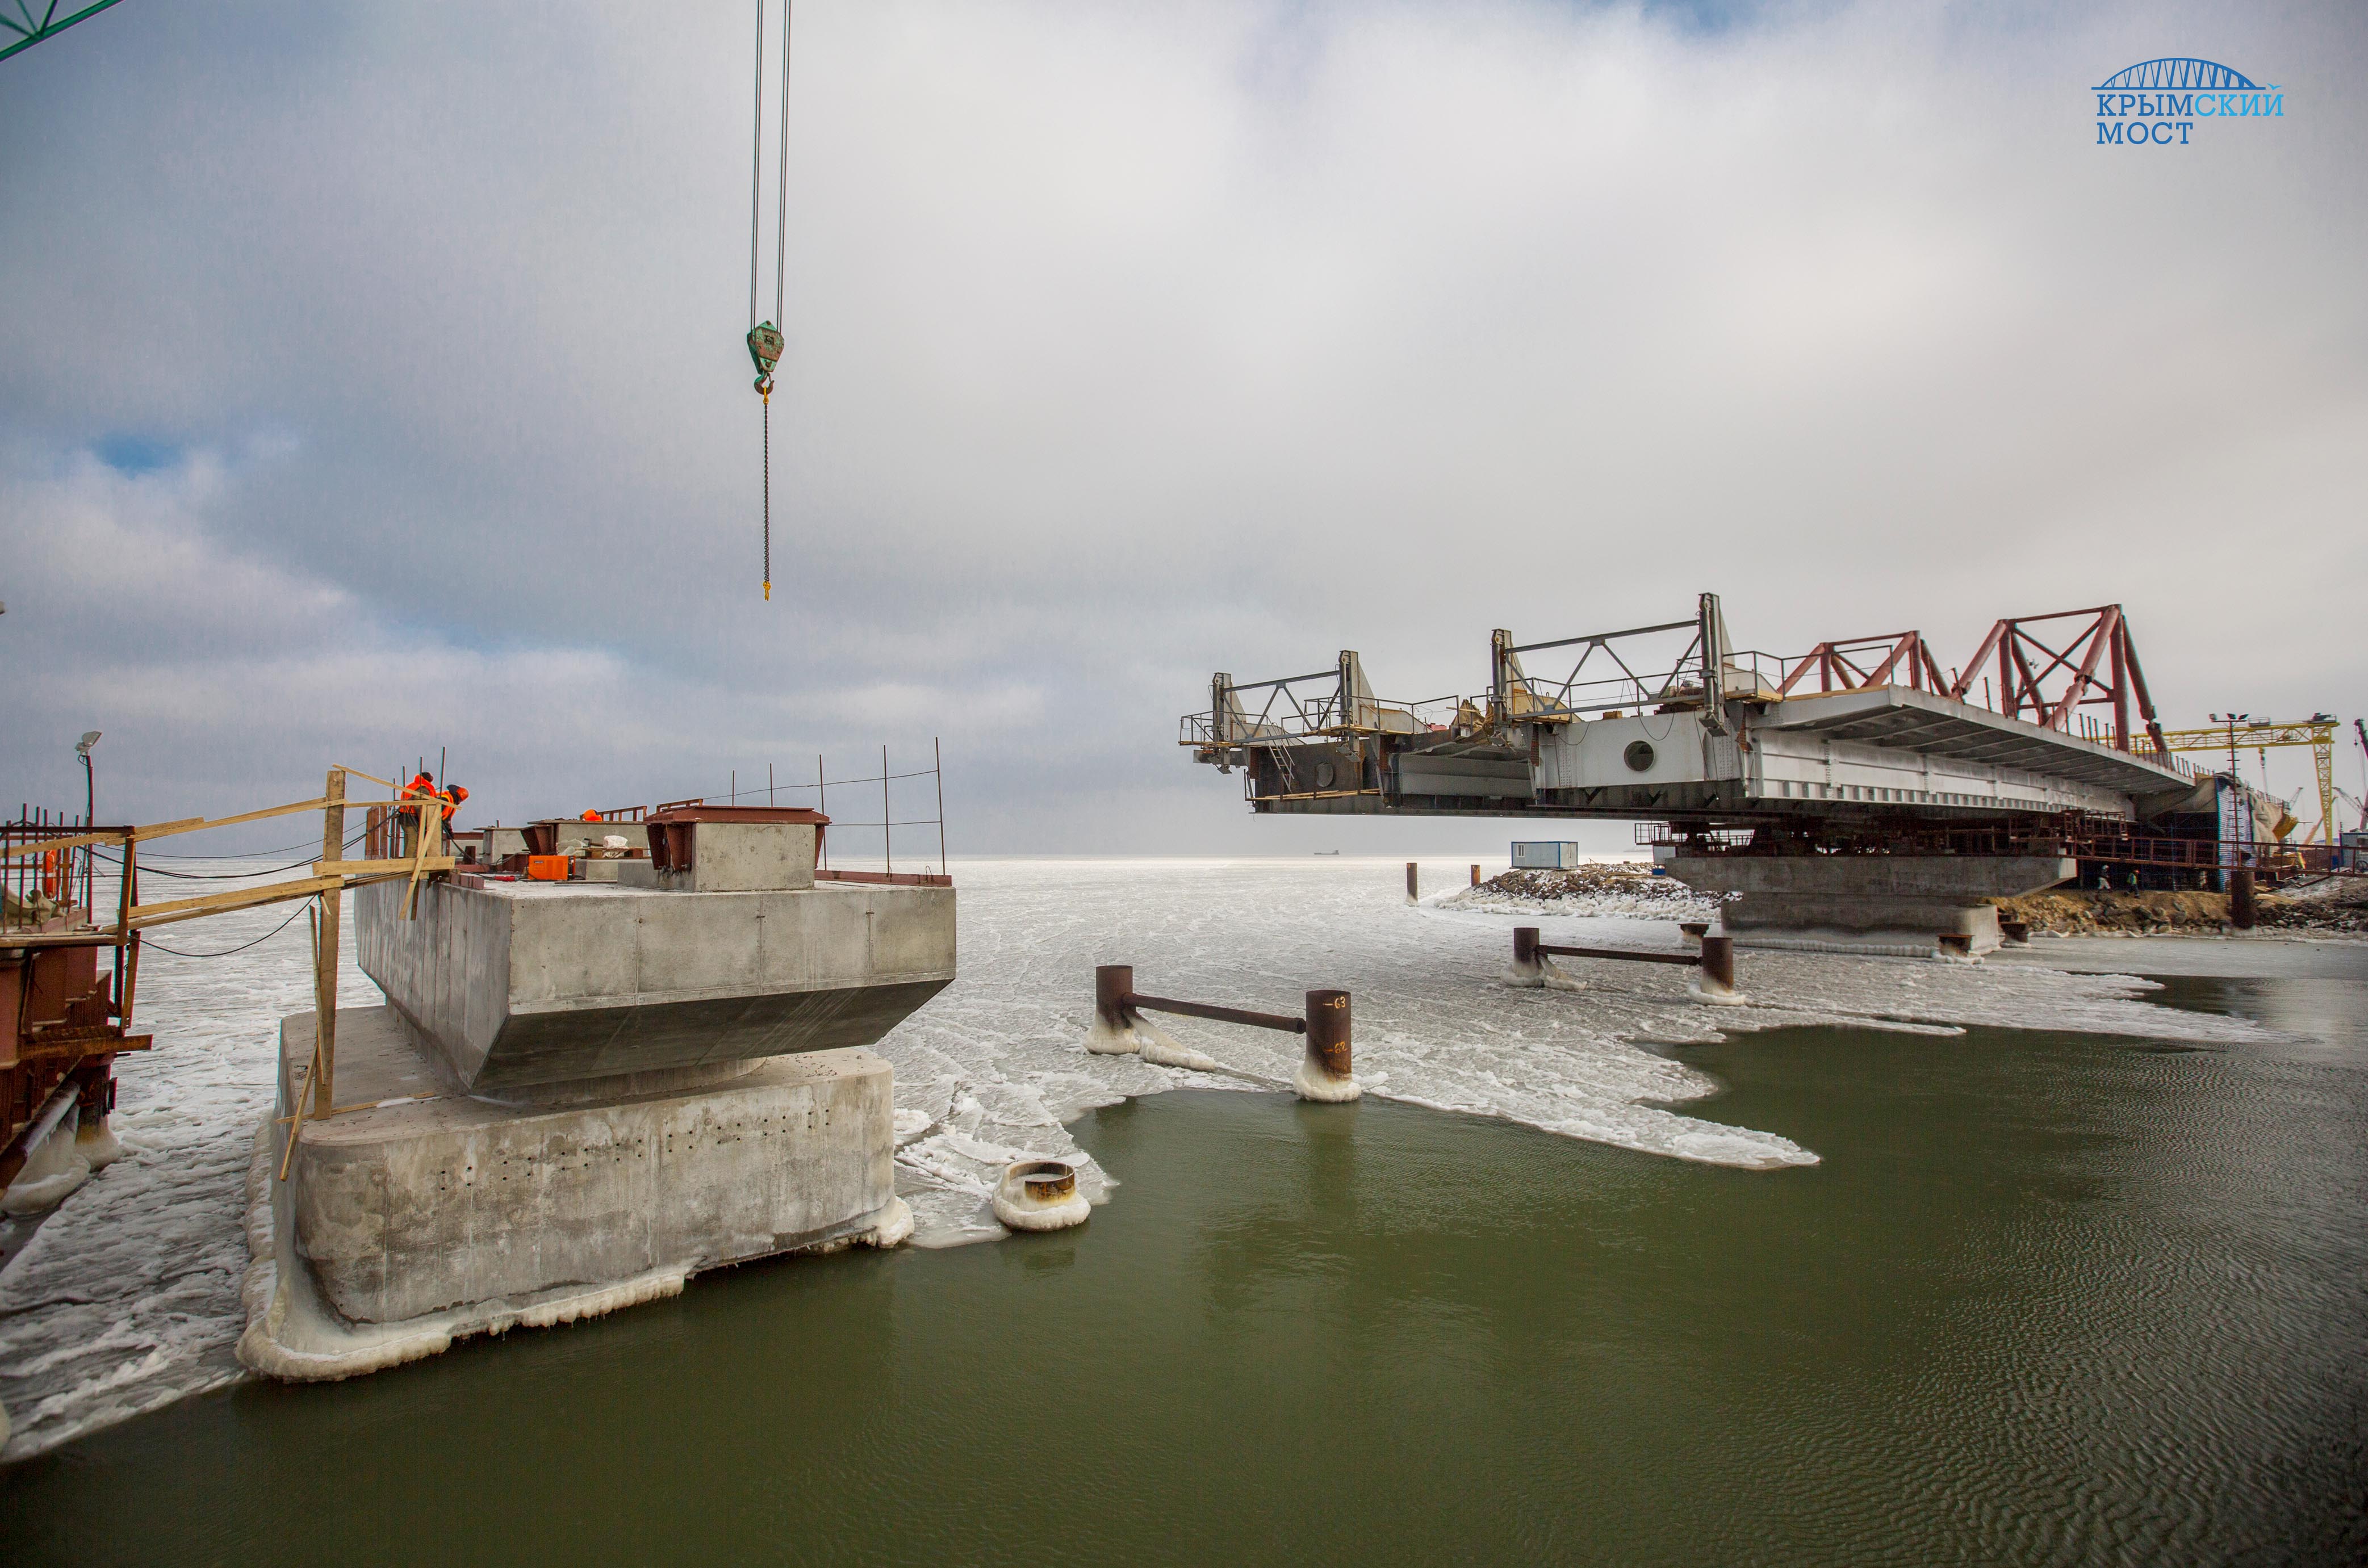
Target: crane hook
764	348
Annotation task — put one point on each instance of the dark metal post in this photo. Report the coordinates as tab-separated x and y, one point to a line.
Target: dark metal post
1112	982
2243	907
1476	876
1718	961
1412	894
1525	946
1328	1034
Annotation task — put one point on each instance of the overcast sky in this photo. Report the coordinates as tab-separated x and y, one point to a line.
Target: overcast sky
371	378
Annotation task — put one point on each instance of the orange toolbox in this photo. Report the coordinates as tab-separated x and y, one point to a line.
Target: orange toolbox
546	867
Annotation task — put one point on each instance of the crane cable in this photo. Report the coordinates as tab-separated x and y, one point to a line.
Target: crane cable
765	338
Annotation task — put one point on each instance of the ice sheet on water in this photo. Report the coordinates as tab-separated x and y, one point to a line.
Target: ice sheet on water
128	1297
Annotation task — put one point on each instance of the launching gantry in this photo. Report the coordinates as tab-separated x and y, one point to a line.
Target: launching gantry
1996	777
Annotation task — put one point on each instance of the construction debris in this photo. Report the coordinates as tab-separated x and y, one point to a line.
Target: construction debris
2071	912
2329	909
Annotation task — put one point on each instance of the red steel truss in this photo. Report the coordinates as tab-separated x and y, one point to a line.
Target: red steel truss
1905	662
2053	682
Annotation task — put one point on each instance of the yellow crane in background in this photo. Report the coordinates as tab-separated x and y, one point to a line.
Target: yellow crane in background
2317	731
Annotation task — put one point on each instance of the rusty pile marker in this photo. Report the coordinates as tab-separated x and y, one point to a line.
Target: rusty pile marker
1324	1073
1716	962
1041	1195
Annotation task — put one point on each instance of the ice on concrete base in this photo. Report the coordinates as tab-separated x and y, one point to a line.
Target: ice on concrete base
1710	994
894	1229
1541	973
1041	1195
1144	1039
95	1142
1314	1083
51	1174
292	1333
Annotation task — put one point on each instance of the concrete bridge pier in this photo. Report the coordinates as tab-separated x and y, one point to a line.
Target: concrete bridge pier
579	1094
1874	904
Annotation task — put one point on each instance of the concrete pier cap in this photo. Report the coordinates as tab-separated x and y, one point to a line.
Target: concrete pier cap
742	952
1872	903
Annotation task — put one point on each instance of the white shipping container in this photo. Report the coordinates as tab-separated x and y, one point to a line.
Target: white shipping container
1544	855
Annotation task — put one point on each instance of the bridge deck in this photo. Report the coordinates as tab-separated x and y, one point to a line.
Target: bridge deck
1942	726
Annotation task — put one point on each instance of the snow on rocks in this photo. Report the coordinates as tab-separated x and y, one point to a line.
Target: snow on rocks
1619	887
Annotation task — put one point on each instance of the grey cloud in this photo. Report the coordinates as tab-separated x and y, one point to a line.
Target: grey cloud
1126	343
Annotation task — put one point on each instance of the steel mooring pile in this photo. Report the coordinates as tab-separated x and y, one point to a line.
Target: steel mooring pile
1324	1073
1716	961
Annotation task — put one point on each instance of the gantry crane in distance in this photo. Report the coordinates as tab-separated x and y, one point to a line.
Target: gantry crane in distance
2317	731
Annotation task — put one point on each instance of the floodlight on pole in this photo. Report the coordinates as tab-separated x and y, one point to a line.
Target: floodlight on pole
89	789
2232	721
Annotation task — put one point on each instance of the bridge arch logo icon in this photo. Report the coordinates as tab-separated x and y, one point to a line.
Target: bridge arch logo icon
2157	103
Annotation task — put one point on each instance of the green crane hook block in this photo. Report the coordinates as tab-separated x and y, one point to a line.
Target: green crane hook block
764	348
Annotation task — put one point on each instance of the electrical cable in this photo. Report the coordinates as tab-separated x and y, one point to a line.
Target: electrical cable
222	876
243	946
251	854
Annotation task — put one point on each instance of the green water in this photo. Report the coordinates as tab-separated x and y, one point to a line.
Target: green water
2049	1297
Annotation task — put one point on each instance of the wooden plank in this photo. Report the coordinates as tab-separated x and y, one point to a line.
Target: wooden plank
46	844
298	1131
373	777
431	837
167	829
127	877
324	1017
198	824
131	972
379	867
147	915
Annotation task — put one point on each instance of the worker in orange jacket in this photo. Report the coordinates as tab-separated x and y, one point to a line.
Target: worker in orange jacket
421	789
592	816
